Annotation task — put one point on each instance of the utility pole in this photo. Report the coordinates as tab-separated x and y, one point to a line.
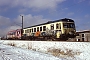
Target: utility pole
22	28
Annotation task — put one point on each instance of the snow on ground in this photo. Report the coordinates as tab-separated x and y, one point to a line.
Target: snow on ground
13	53
55	50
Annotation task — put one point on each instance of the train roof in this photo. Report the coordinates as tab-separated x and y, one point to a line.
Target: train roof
63	20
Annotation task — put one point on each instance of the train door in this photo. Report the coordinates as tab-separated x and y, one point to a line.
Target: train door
58	33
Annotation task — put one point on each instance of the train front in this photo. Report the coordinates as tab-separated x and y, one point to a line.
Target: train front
69	29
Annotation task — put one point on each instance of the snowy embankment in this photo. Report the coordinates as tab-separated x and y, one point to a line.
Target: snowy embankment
14	53
67	50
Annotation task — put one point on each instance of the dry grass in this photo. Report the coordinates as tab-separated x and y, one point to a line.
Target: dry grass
34	49
29	46
11	44
61	53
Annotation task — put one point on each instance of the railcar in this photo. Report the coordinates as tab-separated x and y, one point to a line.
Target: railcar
61	29
14	34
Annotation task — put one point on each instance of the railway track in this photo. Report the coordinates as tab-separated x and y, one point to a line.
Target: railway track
49	40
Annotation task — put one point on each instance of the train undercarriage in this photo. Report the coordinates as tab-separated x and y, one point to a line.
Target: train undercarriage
48	38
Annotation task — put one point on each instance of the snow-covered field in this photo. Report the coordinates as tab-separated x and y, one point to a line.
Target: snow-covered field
13	53
51	50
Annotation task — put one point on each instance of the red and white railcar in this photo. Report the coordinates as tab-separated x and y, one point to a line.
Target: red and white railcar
14	34
18	33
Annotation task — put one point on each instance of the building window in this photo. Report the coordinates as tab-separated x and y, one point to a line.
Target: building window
37	28
82	39
40	28
78	39
52	26
44	28
34	29
82	35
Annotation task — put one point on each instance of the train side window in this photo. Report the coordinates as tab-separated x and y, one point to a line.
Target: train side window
57	26
30	30
40	28
82	35
44	28
65	25
52	26
34	29
37	28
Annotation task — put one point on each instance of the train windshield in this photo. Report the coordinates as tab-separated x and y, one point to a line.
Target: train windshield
69	25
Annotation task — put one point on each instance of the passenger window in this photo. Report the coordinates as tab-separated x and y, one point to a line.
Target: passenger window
30	30
37	28
82	35
40	28
65	25
57	26
44	28
52	26
34	29
26	31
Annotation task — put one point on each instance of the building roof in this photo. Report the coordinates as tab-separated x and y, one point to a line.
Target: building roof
84	31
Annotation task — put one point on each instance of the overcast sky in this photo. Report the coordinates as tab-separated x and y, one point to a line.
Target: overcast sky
39	11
